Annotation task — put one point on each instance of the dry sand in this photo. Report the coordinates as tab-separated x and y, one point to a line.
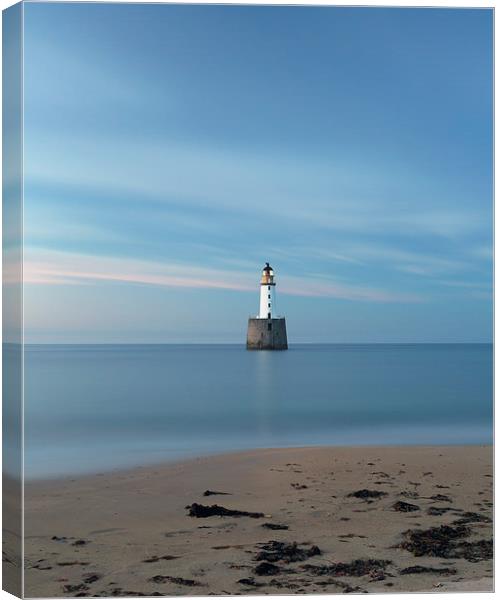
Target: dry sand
129	533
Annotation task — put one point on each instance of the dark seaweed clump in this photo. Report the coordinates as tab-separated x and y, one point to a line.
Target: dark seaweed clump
367	494
401	506
250	581
437	511
266	568
201	511
215	493
119	592
471	517
177	580
440	498
356	568
274	551
154	559
274	526
79	587
446	542
418	569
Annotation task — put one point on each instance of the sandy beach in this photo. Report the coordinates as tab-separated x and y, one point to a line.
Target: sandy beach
323	520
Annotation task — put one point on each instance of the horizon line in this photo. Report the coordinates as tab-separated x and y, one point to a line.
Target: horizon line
243	343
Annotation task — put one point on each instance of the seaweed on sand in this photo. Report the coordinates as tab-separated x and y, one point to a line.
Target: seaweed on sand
471	517
154	559
419	569
440	498
79	587
437	511
274	526
201	511
366	494
250	581
446	541
355	568
176	580
274	551
401	506
266	568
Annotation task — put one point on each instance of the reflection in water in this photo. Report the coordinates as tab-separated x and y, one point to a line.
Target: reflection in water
264	397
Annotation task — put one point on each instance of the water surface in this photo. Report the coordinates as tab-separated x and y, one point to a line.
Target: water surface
90	408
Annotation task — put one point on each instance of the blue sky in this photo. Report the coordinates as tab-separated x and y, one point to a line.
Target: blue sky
171	150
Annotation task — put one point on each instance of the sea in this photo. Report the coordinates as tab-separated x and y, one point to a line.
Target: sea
97	408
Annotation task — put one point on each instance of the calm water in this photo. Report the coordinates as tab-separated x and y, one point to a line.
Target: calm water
91	408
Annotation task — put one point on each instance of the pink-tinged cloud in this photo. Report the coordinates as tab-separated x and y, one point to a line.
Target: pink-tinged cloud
326	289
59	268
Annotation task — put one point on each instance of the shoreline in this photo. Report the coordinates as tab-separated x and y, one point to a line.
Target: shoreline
186	460
129	531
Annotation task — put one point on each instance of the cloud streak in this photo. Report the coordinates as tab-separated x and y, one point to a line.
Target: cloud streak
324	193
61	268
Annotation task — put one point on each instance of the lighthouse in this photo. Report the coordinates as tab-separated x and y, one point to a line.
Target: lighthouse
267	331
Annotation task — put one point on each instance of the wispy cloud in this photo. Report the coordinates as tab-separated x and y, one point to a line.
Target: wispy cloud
45	267
320	288
377	254
466	284
325	193
59	268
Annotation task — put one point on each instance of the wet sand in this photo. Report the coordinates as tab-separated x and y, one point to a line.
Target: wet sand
364	519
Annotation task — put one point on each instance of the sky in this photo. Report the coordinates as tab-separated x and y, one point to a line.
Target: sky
170	151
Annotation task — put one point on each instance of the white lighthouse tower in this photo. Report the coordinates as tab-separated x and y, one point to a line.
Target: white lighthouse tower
267	308
267	331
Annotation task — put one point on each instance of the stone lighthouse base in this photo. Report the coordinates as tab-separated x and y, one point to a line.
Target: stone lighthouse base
267	334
